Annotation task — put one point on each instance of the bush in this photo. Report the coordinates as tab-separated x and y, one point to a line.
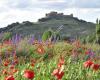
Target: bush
62	48
98	31
90	39
7	36
46	35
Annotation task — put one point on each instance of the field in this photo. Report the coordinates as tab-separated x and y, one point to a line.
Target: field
30	59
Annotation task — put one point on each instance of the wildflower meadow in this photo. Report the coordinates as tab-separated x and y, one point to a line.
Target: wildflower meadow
32	59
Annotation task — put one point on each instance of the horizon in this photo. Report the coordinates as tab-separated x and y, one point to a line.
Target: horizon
18	11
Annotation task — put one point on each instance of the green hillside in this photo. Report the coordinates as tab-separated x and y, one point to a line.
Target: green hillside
72	26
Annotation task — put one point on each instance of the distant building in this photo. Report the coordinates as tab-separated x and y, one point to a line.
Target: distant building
54	15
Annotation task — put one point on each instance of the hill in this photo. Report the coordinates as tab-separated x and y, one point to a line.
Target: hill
72	26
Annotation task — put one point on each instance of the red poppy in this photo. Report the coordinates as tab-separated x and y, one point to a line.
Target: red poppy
6	63
59	65
61	61
15	61
10	78
29	74
40	50
12	66
87	63
95	67
55	72
4	72
58	74
15	70
32	64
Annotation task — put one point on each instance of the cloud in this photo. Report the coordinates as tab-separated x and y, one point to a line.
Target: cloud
88	14
31	4
23	10
19	16
51	3
87	3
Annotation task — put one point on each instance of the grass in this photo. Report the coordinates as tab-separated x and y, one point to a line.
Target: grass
45	63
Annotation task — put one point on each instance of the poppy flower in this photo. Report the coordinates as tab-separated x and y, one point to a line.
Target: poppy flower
6	63
58	74
88	63
32	64
12	66
61	62
4	72
10	77
29	74
15	61
40	50
55	72
95	67
15	70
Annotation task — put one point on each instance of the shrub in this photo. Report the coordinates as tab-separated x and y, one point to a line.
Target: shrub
46	35
90	39
98	31
6	36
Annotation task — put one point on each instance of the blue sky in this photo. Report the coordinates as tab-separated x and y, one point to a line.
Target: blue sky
31	10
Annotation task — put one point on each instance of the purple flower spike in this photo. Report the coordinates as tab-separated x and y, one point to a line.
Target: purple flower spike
39	39
16	39
31	40
91	53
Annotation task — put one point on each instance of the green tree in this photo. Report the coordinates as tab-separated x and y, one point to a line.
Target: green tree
47	34
90	38
98	31
57	36
6	36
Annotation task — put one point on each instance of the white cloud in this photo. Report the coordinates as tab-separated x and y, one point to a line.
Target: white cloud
23	10
20	16
51	0
88	14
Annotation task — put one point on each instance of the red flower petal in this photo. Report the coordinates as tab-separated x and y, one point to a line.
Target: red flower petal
10	78
95	67
88	63
29	74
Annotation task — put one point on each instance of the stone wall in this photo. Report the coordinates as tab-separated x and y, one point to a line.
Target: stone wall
55	14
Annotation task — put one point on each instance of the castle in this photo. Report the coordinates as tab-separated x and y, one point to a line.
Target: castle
54	15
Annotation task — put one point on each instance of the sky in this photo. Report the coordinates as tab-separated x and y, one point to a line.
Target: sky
31	10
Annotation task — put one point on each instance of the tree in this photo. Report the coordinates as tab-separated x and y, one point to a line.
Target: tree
6	36
46	35
98	31
56	36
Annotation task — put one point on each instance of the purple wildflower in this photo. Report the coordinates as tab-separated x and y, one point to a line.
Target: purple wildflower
31	40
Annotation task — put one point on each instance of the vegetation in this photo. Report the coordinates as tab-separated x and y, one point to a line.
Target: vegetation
54	57
47	35
72	26
98	31
6	36
49	61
